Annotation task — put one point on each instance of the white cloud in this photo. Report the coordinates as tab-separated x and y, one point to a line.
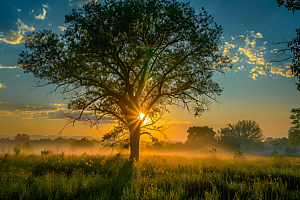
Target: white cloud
15	37
19	10
41	16
46	6
2	86
62	28
232	37
49	24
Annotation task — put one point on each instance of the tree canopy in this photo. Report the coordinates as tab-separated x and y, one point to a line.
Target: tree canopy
201	136
294	44
244	134
294	132
22	137
121	58
292	5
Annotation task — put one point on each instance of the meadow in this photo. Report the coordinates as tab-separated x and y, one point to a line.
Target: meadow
153	177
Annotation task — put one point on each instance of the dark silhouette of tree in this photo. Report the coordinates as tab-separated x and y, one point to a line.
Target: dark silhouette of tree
201	136
294	132
120	58
246	134
82	143
292	5
22	137
27	147
293	45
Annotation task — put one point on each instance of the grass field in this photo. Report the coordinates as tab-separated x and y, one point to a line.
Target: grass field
154	177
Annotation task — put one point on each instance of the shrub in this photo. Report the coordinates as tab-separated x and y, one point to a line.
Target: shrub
17	149
238	154
46	152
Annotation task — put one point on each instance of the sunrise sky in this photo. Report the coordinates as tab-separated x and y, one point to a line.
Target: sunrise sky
252	90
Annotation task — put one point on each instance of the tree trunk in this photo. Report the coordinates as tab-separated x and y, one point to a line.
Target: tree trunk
135	129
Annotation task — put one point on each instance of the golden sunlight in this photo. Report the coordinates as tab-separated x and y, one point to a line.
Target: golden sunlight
141	116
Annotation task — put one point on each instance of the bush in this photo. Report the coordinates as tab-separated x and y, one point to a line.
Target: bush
238	154
276	154
46	152
291	150
27	147
17	149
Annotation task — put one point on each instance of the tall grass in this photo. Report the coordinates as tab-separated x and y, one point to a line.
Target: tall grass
153	177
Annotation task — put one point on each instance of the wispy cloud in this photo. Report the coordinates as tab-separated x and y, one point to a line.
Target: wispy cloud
228	46
62	28
15	37
235	59
41	16
256	35
241	68
8	67
57	104
2	86
51	113
46	5
252	56
281	70
253	76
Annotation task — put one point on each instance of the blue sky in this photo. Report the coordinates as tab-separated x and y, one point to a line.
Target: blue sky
252	91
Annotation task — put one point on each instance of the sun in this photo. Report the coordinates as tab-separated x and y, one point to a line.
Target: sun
141	116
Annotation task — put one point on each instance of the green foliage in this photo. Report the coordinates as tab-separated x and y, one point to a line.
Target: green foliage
294	132
82	143
276	154
291	150
4	159
201	136
130	56
154	177
46	152
246	134
294	44
289	4
27	147
238	154
17	149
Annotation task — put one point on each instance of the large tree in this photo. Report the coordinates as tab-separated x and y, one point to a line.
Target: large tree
293	45
294	132
201	136
245	134
122	58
